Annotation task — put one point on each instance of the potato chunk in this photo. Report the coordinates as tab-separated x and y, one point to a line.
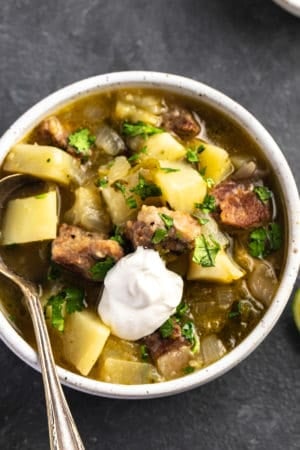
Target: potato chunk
30	219
126	372
164	146
83	340
42	161
216	162
225	270
181	185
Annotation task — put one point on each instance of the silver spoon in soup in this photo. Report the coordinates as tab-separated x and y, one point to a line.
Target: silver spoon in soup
63	433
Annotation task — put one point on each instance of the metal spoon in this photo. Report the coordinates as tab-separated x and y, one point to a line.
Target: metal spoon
63	433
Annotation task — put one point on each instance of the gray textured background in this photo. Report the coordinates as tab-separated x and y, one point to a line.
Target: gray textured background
249	49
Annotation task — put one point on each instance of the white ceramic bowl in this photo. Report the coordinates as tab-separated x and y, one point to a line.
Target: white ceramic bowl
292	6
190	88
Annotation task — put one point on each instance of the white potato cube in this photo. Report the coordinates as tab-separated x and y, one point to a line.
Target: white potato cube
43	161
225	270
83	340
181	185
30	219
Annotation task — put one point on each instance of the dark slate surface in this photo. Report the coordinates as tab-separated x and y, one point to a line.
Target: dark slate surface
250	49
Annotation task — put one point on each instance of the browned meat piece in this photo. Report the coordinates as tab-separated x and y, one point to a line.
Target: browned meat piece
171	354
179	238
181	122
51	132
78	250
240	206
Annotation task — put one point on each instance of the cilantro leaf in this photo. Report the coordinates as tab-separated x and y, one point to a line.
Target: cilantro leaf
181	310
135	157
81	140
188	369
169	169
100	268
120	186
206	250
145	189
102	182
74	298
257	243
118	237
265	240
167	328
144	353
140	128
263	193
167	220
57	318
188	332
192	155
68	301
131	202
159	235
208	204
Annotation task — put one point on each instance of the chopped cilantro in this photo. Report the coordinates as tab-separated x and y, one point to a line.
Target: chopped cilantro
167	328
68	300
81	140
167	220
120	186
188	369
202	220
133	158
181	310
206	250
235	312
202	171
144	353
265	240
208	204
100	268
159	235
131	202
102	182
74	298
169	169
140	128
263	193
192	155
145	189
118	236
188	332
40	196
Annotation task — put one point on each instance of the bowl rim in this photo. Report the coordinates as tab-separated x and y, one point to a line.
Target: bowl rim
292	6
186	86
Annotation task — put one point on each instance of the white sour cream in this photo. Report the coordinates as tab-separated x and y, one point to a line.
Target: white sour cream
139	295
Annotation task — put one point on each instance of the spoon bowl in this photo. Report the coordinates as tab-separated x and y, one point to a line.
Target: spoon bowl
63	433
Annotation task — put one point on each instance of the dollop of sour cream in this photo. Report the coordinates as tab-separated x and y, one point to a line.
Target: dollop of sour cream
139	295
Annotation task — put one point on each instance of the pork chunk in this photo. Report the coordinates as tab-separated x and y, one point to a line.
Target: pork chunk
181	122
78	250
171	354
240	206
180	236
51	132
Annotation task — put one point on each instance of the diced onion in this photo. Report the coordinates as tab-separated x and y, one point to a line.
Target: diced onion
109	140
212	349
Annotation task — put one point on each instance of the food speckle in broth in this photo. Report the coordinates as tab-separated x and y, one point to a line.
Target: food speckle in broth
142	185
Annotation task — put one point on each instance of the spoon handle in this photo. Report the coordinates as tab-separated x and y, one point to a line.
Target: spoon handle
63	433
